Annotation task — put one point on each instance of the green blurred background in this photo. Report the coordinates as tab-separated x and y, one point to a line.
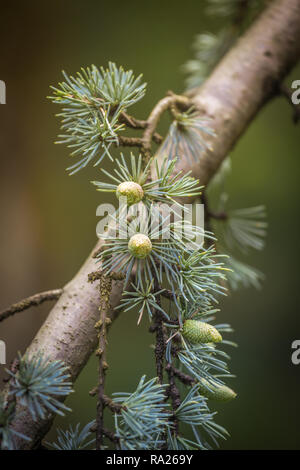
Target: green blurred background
48	219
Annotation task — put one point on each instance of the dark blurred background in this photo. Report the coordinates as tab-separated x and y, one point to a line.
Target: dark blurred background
48	219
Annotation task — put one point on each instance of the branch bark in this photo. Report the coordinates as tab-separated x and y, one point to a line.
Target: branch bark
244	81
246	78
33	300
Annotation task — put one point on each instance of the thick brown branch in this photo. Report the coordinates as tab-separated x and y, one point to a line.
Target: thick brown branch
31	301
246	78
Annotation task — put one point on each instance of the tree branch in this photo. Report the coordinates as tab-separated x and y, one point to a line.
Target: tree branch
31	301
184	378
158	328
246	79
105	285
156	113
174	394
134	123
231	97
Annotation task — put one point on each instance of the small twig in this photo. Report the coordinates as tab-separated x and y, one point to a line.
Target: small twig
150	124
168	294
111	436
158	328
174	394
113	406
101	325
155	115
130	141
184	378
134	123
31	301
287	93
107	433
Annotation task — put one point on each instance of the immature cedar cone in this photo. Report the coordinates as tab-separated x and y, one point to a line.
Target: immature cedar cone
217	392
131	190
140	245
200	332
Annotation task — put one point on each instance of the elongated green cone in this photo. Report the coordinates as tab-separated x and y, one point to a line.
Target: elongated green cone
216	391
200	332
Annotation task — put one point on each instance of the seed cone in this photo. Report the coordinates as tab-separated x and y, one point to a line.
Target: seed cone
200	332
140	245
216	391
131	190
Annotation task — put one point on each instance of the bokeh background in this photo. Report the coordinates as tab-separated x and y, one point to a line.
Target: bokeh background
48	219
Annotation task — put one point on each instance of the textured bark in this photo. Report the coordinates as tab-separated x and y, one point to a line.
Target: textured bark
68	334
245	79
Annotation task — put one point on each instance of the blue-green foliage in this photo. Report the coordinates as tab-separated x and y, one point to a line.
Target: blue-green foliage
240	232
7	433
186	137
92	103
143	298
74	438
194	411
164	187
142	423
39	383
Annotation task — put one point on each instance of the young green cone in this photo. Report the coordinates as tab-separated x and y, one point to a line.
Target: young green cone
131	190
216	391
200	332
140	245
